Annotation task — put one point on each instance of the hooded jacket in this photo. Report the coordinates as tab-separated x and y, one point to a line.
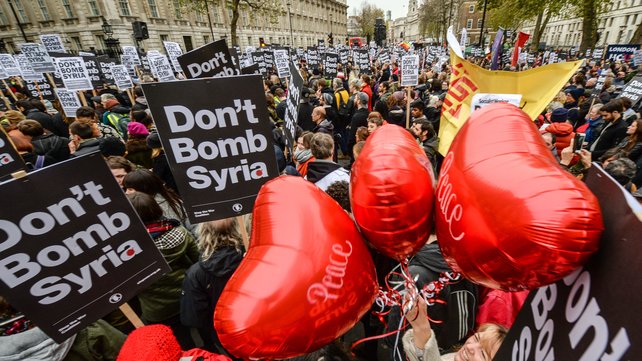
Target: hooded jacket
33	345
324	172
563	132
325	126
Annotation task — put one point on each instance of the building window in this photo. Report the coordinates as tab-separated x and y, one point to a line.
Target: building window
206	39
153	9
216	18
471	9
69	10
43	10
469	24
198	15
177	10
611	21
22	15
479	23
123	6
77	44
93	7
3	18
100	40
249	41
164	37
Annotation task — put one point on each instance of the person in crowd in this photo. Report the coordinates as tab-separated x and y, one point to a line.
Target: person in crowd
21	339
375	121
221	247
115	115
143	117
629	114
160	302
417	110
23	145
304	119
396	109
35	110
323	125
340	192
594	123
119	167
366	87
140	102
356	150
137	150
160	166
613	132
419	343
145	181
632	146
323	171
561	128
499	307
362	134
549	140
111	146
427	138
381	105
11	119
303	155
83	139
622	170
158	343
89	114
44	142
359	119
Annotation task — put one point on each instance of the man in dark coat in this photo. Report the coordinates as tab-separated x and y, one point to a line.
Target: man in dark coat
359	119
614	130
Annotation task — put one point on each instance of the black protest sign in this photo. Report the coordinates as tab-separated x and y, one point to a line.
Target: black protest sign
268	55
218	139
633	90
38	57
362	60
295	87
384	57
105	63
252	69
93	70
144	61
69	257
343	56
69	101
74	74
621	52
10	65
10	159
313	57
41	87
236	62
598	53
259	59
599	85
330	65
590	314
211	60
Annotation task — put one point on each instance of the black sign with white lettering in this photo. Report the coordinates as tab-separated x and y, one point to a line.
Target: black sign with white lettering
10	159
211	60
69	257
590	314
362	60
633	90
313	57
599	85
41	87
268	55
95	75
621	52
218	140
292	106
252	69
330	65
105	63
236	62
259	59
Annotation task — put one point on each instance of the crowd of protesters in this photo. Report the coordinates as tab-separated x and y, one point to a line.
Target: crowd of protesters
335	118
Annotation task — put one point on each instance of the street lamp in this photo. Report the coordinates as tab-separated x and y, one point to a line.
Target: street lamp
110	42
289	3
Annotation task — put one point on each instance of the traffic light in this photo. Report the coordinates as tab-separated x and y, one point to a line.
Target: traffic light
262	42
379	31
140	30
347	41
330	39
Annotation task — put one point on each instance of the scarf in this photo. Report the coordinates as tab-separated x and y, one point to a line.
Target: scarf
302	156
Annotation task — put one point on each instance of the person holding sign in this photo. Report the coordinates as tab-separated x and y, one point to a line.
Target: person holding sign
421	344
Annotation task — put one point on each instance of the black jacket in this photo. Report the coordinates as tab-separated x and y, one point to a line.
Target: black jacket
359	119
203	284
304	119
51	145
86	147
611	136
43	118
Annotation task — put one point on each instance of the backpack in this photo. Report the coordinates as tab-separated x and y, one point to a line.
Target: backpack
344	112
118	122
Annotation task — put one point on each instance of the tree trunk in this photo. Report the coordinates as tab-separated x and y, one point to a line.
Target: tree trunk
637	36
589	25
234	21
537	32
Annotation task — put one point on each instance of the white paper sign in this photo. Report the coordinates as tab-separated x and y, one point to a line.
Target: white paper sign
481	100
282	63
173	52
53	43
74	73
121	77
68	101
26	70
410	70
131	50
38	57
161	69
10	65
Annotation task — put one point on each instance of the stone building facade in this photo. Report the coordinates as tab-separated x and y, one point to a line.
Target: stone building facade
80	22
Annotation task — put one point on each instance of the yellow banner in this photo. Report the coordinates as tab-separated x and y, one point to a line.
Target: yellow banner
537	86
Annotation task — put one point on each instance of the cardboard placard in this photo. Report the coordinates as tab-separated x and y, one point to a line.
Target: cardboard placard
218	140
292	107
590	314
120	74
10	65
362	60
129	63
173	52
410	70
162	69
53	43
74	73
94	71
259	59
211	60
620	52
330	65
268	56
69	101
26	70
633	90
236	62
69	257
37	56
637	58
312	57
282	62
10	159
46	89
3	73
130	50
105	63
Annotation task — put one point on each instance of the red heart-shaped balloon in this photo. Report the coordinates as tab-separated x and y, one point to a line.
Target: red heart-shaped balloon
392	192
508	216
306	279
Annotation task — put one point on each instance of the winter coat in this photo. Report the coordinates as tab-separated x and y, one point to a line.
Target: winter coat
323	173
161	300
563	132
359	119
160	167
325	126
610	136
303	159
51	145
168	212
43	118
138	152
430	349
87	146
202	287
305	116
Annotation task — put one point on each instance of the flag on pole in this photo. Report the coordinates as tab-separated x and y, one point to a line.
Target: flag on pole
496	50
522	38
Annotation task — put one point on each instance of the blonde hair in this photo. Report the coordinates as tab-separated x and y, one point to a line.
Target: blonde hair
14	117
217	234
492	343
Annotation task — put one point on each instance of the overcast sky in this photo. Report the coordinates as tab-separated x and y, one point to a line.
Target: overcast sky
399	8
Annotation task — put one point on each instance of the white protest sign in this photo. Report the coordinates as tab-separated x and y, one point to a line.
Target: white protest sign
53	43
3	72
68	101
74	73
9	64
410	70
131	50
121	77
38	57
282	63
161	68
481	100
26	70
173	52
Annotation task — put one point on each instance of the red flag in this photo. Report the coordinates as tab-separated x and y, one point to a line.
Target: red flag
522	38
